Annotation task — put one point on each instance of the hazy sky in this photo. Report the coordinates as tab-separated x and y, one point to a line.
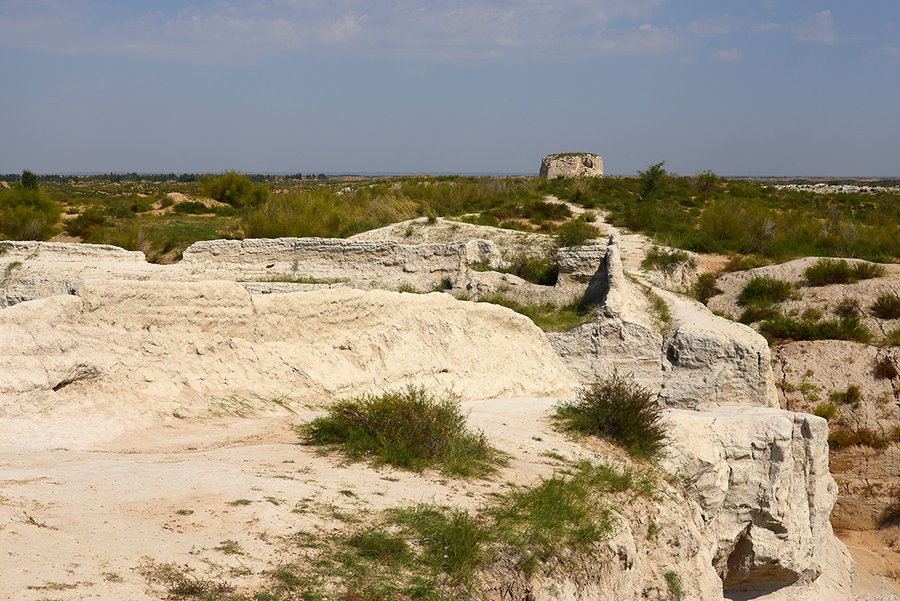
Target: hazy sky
755	87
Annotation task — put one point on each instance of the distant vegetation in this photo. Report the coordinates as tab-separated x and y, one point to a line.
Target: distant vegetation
703	213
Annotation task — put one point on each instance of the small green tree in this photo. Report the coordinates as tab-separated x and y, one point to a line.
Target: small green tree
653	180
235	189
29	180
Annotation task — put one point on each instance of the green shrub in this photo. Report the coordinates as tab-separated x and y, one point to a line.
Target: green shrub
892	338
826	410
667	260
234	189
765	290
849	396
743	263
830	271
673	582
538	270
886	306
618	409
785	328
547	316
192	207
27	214
754	313
409	429
705	288
575	233
87	225
534	269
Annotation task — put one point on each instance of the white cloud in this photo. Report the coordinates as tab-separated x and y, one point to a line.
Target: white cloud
227	30
817	28
643	40
732	55
721	25
343	29
768	26
892	52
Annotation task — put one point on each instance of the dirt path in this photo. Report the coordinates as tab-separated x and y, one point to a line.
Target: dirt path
222	497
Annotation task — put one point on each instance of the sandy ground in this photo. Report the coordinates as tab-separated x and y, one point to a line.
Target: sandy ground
82	524
877	567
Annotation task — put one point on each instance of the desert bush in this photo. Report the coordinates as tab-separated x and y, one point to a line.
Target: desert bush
27	214
886	306
847	307
619	409
785	328
534	269
705	288
851	395
843	437
538	270
673	583
192	207
87	225
234	189
410	429
892	338
830	271
826	410
744	262
885	369
765	290
754	313
547	316
576	233
667	260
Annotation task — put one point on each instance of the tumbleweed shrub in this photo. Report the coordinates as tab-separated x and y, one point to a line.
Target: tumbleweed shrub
826	410
851	395
576	233
667	260
619	409
765	290
705	288
830	271
410	429
784	328
847	307
884	369
886	306
549	317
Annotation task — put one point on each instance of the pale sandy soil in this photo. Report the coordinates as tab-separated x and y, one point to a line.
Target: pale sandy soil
81	524
877	567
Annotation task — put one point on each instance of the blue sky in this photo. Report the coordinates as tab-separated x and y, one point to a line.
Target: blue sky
757	87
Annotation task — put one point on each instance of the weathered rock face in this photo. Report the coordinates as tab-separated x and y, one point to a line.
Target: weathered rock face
572	165
161	344
698	359
761	479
